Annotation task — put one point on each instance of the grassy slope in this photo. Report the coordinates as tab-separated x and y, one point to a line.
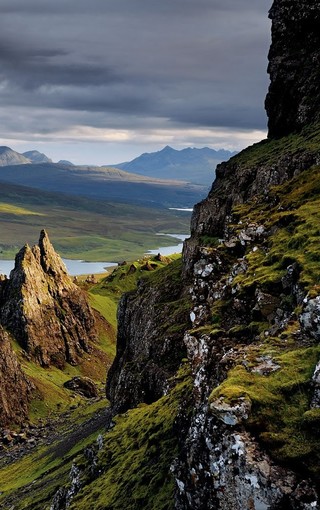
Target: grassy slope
83	228
47	471
136	454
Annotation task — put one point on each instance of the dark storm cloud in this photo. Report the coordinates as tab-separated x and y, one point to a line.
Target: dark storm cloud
194	62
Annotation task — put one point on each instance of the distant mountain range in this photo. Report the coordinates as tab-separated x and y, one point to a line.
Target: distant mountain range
99	212
167	178
191	165
10	157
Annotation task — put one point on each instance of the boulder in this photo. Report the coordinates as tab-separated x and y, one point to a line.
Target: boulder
82	385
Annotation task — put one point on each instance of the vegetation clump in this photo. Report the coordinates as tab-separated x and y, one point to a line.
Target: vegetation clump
137	454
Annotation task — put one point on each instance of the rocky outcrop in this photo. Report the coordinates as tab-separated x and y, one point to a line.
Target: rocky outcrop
293	100
237	182
83	386
228	471
44	310
149	344
16	389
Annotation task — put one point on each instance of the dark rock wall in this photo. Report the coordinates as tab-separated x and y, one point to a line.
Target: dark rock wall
16	389
293	100
150	342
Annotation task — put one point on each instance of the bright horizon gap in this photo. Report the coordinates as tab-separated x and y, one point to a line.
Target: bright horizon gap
98	152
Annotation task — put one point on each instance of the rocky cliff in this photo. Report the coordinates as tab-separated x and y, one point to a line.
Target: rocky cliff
16	389
44	310
293	100
149	344
251	270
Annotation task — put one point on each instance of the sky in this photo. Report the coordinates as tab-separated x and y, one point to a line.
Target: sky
101	82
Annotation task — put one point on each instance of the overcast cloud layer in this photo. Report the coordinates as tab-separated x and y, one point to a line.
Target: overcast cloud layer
103	81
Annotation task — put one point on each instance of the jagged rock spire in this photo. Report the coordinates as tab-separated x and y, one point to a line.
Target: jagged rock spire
45	311
293	100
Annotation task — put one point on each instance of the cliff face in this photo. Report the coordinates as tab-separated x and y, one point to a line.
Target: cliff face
44	310
251	269
293	100
16	389
149	344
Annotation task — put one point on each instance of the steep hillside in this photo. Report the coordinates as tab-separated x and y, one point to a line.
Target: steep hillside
48	334
190	164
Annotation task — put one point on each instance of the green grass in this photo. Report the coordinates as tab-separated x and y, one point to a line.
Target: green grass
106	294
50	397
267	152
294	221
17	211
280	415
31	482
136	456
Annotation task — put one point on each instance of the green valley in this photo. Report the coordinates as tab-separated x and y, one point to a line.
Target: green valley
81	227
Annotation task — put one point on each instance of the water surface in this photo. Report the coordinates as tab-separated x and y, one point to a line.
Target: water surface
74	267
